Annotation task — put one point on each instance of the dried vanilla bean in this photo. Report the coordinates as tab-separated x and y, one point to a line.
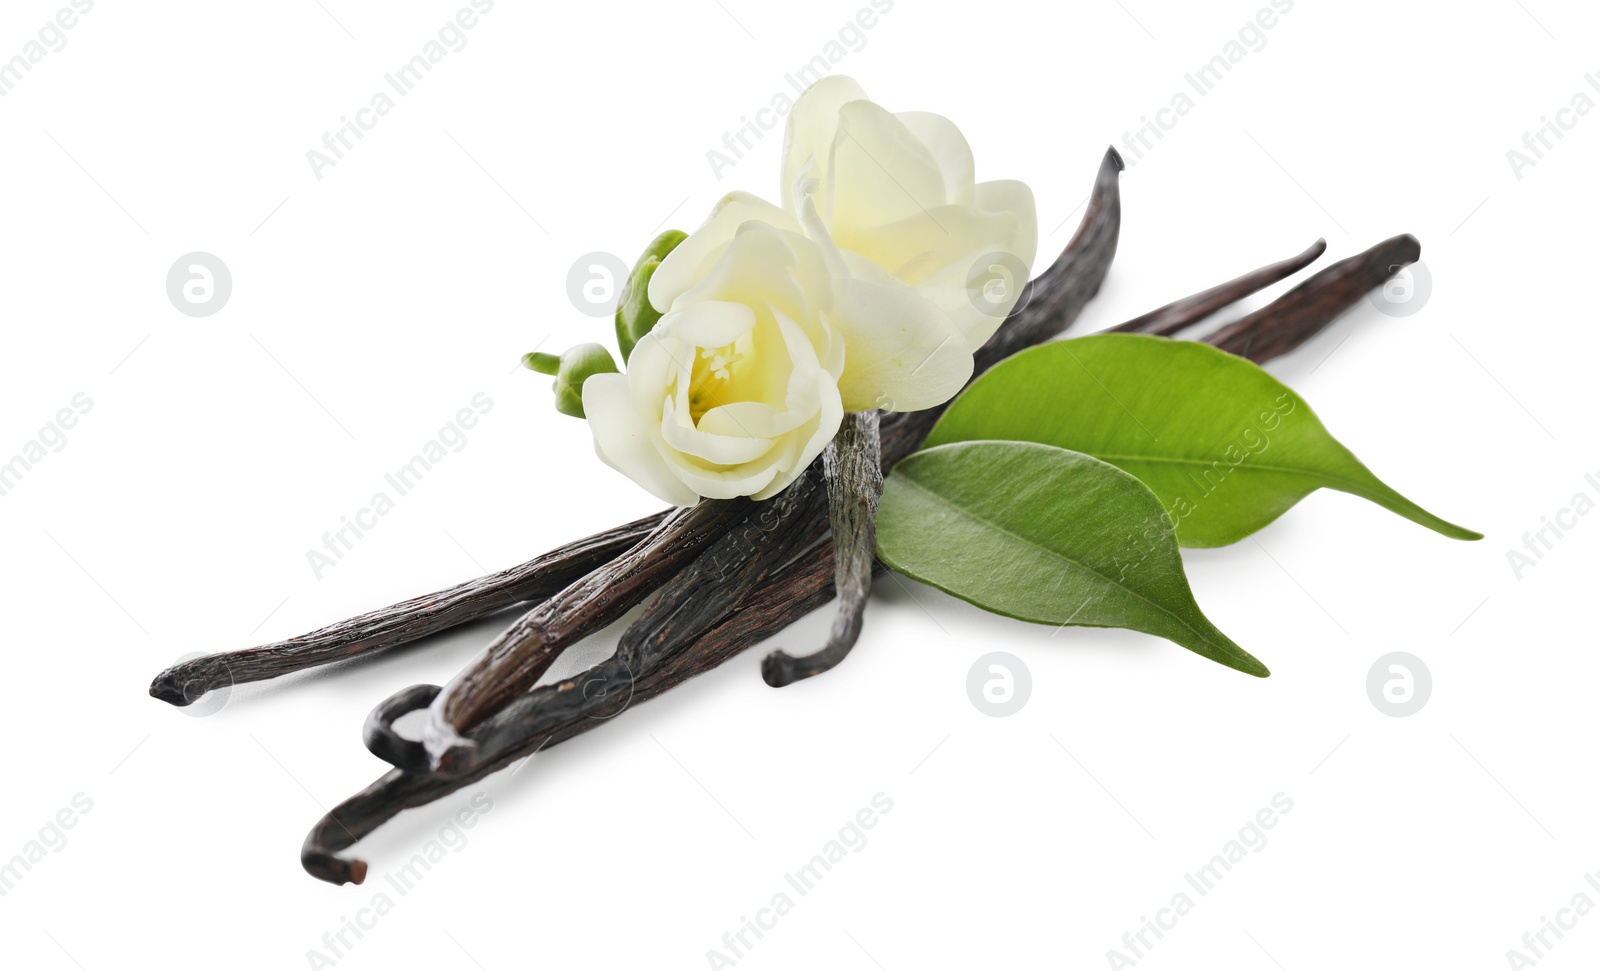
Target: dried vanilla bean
1175	316
404	622
1293	318
726	575
516	659
804	586
852	466
734	569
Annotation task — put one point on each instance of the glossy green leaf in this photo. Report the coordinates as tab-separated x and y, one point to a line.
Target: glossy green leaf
1043	534
1225	445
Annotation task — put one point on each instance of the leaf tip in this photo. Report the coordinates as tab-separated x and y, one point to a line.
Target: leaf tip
1452	531
1247	663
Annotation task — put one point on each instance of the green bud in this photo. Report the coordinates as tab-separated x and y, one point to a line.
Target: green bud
635	315
571	369
543	363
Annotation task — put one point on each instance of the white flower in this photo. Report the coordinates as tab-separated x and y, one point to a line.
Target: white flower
871	288
735	391
895	192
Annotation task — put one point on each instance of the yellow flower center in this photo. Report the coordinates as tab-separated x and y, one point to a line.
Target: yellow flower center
711	378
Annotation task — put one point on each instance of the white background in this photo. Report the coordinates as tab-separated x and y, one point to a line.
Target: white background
371	304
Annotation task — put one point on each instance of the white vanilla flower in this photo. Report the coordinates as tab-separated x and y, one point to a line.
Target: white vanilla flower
871	288
897	190
735	391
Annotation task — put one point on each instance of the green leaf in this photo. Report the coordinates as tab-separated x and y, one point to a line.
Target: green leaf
1046	535
635	314
1226	446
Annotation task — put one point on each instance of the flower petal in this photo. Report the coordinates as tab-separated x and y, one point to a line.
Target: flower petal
1009	195
879	172
811	129
709	323
744	480
975	270
949	149
804	450
754	418
913	254
904	353
624	442
735	447
695	256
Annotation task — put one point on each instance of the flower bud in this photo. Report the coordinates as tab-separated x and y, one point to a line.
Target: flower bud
571	369
635	315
